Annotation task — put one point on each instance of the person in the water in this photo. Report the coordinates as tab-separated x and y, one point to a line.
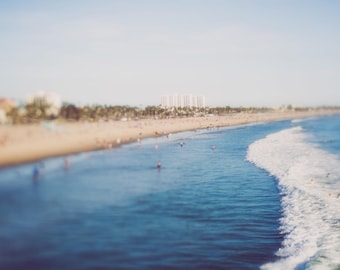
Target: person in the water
35	172
67	163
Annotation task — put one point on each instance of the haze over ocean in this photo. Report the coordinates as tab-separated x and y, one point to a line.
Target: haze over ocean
205	208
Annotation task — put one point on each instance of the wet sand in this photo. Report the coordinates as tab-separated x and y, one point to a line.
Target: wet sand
28	143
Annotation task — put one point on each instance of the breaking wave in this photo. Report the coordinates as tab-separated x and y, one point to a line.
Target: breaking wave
309	181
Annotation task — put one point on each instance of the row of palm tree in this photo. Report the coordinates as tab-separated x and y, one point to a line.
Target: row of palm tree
38	111
106	113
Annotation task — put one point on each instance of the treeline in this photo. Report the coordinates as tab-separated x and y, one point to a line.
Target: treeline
38	111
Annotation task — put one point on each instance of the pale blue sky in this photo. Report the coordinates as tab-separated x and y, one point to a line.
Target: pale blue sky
235	52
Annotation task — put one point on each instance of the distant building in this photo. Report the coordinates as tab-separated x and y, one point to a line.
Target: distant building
7	104
49	99
3	117
175	100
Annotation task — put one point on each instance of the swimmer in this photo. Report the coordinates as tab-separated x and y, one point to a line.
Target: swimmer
41	167
35	172
159	165
156	146
67	163
213	147
182	143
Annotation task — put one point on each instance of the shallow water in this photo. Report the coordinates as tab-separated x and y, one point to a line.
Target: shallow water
204	209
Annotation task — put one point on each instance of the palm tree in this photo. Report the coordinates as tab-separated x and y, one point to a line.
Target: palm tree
70	112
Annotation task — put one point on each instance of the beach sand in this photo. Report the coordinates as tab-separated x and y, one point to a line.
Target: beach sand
29	143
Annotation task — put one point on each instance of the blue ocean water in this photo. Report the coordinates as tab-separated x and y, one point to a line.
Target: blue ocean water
229	198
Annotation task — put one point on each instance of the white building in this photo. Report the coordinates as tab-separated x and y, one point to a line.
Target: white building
175	100
51	99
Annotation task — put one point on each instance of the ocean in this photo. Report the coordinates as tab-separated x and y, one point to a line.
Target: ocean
259	196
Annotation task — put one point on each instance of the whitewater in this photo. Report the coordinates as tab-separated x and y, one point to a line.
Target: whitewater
308	177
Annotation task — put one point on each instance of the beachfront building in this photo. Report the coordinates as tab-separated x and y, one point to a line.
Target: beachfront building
49	102
6	105
183	101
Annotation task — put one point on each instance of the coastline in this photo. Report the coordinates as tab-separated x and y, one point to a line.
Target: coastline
30	143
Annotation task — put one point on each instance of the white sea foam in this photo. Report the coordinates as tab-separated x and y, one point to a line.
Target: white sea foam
299	120
309	180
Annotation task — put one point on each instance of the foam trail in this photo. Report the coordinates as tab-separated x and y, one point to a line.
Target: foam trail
309	181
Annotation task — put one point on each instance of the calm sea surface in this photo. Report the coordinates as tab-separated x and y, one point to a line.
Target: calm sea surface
264	197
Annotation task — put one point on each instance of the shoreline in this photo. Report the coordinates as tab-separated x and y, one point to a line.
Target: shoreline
30	143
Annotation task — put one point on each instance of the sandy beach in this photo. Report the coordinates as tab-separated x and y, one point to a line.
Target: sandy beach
29	143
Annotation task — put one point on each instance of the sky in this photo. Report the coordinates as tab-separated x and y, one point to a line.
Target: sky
130	52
